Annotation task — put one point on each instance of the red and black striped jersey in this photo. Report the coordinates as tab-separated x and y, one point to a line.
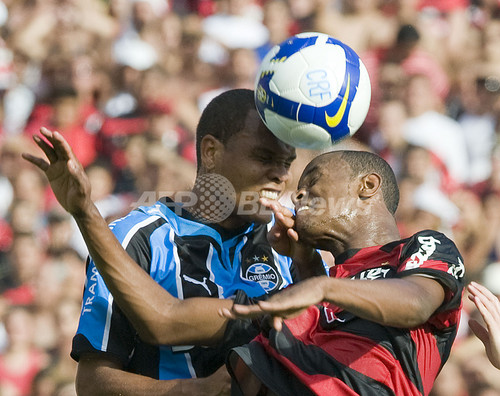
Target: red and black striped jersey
332	352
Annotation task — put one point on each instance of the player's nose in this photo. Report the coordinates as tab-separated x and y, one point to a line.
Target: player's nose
298	196
279	173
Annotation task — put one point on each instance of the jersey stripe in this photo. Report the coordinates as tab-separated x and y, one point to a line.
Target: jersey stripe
178	279
313	360
105	337
209	267
189	362
136	228
240	246
276	257
405	353
125	243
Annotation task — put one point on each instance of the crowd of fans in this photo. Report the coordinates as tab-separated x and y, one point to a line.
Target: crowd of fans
125	80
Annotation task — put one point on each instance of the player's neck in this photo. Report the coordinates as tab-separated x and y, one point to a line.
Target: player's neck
367	233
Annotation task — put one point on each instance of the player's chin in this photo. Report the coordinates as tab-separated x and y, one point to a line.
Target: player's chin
261	216
254	212
303	229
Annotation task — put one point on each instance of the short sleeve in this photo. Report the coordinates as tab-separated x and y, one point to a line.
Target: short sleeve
432	254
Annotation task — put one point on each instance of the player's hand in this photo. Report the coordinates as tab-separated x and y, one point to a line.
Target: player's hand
285	304
65	173
282	235
489	308
217	384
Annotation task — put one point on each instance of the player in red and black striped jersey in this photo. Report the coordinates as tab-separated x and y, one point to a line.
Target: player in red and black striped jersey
385	319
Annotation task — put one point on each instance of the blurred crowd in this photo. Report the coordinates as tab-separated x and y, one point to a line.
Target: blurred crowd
125	81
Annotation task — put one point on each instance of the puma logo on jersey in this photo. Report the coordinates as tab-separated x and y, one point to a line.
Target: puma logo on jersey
197	282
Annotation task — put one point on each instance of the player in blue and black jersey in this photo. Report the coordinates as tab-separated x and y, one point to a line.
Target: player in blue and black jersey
213	245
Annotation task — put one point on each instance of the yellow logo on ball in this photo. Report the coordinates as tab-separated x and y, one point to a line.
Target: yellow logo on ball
334	120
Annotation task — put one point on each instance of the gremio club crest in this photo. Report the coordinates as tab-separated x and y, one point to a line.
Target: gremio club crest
259	270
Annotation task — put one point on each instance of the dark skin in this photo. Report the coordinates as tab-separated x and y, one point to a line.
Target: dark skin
356	219
158	317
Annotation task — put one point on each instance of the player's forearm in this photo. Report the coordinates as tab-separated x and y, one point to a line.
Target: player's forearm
109	381
392	302
157	316
104	379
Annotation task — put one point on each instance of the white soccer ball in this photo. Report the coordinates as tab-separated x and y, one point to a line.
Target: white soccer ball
312	91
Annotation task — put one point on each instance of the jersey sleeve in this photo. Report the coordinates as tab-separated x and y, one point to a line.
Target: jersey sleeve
103	328
432	254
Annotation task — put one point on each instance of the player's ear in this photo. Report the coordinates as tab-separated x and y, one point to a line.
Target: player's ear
211	150
369	185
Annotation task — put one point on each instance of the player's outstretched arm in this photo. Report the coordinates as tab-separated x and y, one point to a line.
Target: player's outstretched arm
157	316
488	306
405	302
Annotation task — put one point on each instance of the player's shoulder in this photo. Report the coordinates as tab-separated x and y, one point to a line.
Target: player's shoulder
431	244
430	237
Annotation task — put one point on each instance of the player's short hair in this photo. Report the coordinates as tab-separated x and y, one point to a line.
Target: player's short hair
365	162
224	117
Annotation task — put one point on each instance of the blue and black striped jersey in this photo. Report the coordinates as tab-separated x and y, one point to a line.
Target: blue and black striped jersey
188	259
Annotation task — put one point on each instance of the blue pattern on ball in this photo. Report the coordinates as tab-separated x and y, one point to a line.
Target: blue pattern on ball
266	99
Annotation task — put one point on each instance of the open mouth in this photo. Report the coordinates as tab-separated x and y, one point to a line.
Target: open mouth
268	194
302	208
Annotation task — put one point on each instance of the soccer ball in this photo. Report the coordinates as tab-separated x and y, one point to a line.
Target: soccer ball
312	91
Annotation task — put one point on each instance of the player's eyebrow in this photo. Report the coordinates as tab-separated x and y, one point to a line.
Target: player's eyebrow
310	176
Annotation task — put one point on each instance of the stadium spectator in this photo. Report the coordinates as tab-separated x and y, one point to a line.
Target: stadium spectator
404	58
238	72
234	24
278	20
22	360
388	139
428	126
478	121
444	27
364	24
